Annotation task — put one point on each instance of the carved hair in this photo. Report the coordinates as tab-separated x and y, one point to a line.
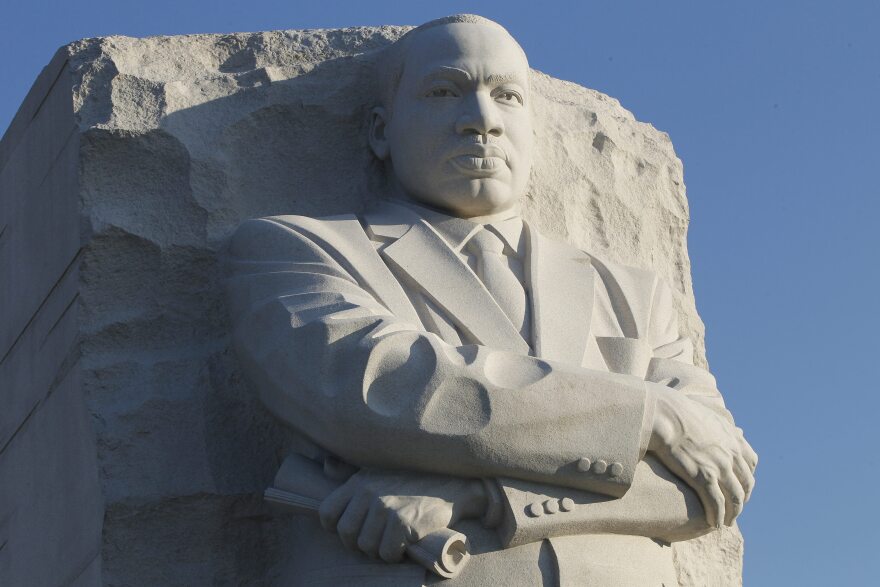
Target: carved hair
393	58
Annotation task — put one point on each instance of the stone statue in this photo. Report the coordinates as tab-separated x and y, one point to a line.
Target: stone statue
449	367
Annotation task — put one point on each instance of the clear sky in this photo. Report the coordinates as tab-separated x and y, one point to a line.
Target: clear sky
773	107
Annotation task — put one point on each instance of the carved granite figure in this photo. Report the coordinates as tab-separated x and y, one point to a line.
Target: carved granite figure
452	368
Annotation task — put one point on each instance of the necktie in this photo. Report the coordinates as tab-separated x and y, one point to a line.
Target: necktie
499	279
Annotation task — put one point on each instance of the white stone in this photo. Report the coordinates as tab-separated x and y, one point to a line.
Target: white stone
181	138
438	338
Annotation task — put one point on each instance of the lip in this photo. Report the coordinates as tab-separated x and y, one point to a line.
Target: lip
480	160
478	166
482	151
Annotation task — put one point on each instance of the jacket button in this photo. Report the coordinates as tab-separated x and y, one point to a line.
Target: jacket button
566	504
536	510
600	467
616	469
584	464
551	506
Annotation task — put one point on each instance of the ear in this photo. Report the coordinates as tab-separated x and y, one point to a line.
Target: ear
378	140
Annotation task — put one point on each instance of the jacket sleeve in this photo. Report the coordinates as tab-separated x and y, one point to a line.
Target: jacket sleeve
332	362
672	364
658	504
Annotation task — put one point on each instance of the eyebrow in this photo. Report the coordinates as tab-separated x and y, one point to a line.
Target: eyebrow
446	71
455	72
504	78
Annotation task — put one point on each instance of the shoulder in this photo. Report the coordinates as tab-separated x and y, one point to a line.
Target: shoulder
306	224
636	293
630	280
289	233
625	284
644	297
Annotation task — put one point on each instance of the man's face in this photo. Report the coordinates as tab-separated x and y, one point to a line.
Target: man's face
460	130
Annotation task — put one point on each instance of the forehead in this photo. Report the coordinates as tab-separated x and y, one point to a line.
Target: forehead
479	49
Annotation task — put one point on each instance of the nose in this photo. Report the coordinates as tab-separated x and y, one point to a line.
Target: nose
481	117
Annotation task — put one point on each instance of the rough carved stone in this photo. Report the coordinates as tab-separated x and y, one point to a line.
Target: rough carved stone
175	141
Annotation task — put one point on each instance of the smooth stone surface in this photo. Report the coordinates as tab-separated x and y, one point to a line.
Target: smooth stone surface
51	510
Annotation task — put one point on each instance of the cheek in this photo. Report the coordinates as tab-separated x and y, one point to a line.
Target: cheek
417	136
521	139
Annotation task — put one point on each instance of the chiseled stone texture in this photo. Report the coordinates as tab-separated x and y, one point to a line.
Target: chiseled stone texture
182	137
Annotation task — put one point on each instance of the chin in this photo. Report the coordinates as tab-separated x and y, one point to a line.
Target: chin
480	198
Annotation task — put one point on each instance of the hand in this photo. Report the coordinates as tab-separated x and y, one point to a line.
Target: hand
707	451
381	512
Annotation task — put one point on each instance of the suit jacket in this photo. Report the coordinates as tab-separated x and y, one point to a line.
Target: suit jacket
375	341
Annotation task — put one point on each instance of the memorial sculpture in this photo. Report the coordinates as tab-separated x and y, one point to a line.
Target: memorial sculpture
451	368
134	449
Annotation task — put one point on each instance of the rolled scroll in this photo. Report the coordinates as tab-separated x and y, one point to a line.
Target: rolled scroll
300	486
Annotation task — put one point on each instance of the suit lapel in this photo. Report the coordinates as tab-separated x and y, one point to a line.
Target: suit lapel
561	284
355	253
424	257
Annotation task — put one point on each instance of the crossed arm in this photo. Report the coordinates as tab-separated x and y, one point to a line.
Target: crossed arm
335	364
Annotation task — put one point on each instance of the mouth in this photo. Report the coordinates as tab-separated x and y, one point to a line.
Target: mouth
480	160
477	165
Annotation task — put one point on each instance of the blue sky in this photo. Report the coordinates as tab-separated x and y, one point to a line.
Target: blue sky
773	107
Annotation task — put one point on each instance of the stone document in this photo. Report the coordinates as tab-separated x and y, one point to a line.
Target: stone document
138	442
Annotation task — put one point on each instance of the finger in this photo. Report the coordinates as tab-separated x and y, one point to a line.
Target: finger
393	544
686	468
734	495
333	506
751	456
744	474
349	526
716	496
372	529
748	452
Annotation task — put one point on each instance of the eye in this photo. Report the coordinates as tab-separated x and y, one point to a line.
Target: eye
509	97
441	93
